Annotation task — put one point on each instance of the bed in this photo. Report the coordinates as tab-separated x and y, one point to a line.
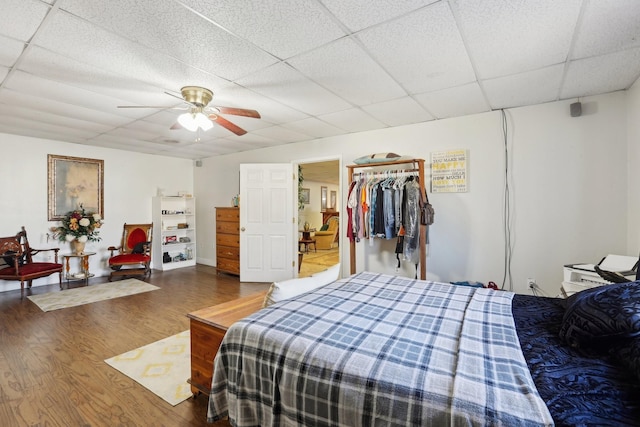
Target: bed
375	349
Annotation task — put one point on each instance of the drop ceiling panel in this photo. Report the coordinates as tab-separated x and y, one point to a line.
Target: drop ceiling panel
509	37
44	118
608	26
398	112
10	50
77	39
282	27
455	101
176	32
314	127
20	18
533	87
281	133
289	87
359	14
347	59
596	75
427	40
352	120
13	119
43	105
313	68
53	66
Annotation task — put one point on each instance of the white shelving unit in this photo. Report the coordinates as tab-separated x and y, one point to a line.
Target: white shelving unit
174	232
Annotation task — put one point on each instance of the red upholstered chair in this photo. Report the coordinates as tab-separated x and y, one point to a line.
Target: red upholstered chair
134	252
19	263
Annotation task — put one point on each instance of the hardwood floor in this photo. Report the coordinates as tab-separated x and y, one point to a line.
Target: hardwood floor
52	370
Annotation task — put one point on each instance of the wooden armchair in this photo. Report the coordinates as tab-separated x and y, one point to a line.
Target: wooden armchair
134	252
19	263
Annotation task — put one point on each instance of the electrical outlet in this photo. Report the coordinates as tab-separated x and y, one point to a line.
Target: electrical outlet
531	283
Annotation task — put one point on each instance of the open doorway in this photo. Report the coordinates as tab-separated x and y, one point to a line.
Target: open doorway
319	216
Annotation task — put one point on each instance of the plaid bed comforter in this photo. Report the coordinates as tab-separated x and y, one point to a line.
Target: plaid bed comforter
375	349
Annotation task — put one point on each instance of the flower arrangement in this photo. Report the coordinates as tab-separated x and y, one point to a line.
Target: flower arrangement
78	225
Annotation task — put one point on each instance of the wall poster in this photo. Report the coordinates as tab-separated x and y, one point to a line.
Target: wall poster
450	171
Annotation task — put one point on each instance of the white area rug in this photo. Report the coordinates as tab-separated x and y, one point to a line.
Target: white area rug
163	367
88	294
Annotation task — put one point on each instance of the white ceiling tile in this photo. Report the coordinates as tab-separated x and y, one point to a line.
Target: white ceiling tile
88	105
398	112
61	119
455	101
608	26
176	31
10	50
602	74
422	51
78	40
352	120
347	59
510	37
23	99
3	73
359	14
288	86
270	111
10	117
314	127
282	27
99	80
533	87
20	18
281	133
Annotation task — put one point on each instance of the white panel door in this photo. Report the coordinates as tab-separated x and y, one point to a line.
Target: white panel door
266	222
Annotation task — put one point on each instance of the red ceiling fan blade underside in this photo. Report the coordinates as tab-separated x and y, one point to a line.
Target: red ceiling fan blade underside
227	124
239	112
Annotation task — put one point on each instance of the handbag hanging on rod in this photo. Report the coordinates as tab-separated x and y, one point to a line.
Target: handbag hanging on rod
427	213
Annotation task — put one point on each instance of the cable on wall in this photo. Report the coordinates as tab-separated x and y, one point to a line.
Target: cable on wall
507	278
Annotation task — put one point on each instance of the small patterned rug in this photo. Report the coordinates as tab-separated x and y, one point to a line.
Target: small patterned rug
88	294
163	367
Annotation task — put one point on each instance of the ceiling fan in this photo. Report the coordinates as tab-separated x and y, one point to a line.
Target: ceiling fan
201	115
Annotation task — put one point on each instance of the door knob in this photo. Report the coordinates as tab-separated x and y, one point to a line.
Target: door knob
242	229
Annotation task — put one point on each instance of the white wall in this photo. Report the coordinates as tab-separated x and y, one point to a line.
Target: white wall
568	178
633	194
130	181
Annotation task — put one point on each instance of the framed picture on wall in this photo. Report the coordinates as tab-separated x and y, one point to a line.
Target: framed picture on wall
74	182
333	200
323	198
304	193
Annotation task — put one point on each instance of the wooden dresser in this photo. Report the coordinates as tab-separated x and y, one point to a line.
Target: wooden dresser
208	327
228	240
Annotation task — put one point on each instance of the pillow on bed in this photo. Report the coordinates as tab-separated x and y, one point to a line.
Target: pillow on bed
602	315
293	287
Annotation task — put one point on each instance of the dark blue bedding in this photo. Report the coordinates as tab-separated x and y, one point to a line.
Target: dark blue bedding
581	387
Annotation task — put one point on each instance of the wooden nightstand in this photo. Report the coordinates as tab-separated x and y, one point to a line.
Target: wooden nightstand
208	327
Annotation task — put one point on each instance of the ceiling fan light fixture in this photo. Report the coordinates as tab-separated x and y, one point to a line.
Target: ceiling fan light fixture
203	122
193	121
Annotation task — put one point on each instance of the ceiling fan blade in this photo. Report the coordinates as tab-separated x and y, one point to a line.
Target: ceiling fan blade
227	124
176	96
239	112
